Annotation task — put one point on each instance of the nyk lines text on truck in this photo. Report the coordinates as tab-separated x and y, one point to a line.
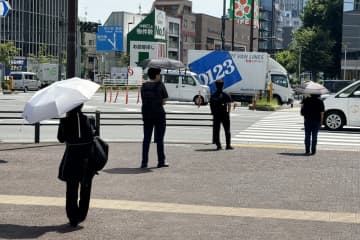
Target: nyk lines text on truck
245	74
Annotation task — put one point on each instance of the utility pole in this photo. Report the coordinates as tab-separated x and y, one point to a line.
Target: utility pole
233	26
252	26
71	41
223	24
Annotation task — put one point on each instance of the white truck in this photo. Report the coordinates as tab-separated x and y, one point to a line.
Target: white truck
48	73
245	74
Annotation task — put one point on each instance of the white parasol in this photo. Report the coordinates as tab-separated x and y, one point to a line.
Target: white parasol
58	98
311	87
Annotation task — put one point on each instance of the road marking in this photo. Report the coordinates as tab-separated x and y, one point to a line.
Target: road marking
288	128
339	217
264	145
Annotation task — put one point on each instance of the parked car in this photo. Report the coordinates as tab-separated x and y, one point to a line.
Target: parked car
184	86
25	81
343	108
336	85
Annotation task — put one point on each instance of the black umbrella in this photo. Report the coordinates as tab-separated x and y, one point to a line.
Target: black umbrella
163	63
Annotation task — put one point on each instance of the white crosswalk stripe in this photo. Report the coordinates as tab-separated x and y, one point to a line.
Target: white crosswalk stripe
287	127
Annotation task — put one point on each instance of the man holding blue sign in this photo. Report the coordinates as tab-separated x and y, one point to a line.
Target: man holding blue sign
220	105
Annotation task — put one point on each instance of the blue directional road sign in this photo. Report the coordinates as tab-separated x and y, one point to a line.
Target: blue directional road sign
4	8
109	38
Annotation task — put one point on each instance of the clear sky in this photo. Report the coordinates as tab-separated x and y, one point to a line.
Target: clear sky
100	9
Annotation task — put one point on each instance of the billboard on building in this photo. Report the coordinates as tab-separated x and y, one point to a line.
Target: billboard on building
160	25
140	50
241	11
17	64
148	38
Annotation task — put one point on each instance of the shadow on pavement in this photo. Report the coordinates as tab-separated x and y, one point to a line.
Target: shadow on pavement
3	161
207	150
29	146
347	130
127	170
11	231
293	154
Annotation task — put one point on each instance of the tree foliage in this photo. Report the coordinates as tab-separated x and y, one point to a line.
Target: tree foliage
315	47
326	16
288	60
42	56
8	50
318	42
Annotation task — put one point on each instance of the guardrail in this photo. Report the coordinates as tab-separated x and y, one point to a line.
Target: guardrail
120	82
185	119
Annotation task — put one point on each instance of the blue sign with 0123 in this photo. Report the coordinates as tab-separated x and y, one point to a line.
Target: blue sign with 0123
216	65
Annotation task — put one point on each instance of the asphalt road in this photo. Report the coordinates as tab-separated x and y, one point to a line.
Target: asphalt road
247	193
241	119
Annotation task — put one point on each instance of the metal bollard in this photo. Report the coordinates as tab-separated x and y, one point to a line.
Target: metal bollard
37	132
97	121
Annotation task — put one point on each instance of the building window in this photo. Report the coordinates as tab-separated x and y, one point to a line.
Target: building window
192	25
185	23
174	28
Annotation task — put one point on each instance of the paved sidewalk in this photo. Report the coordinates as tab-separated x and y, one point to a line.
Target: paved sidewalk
247	193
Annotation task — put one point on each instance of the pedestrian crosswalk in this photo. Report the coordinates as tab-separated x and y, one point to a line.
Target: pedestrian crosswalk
287	127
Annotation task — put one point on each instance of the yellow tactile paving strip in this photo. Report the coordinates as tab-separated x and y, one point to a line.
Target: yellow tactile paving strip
338	217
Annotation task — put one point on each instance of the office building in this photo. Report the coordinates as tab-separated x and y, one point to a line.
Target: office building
350	63
295	6
33	24
270	31
208	37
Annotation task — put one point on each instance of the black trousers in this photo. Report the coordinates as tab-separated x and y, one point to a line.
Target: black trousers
160	125
225	121
76	210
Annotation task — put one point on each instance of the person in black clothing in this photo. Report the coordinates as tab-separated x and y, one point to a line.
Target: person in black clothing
220	105
313	111
76	130
153	97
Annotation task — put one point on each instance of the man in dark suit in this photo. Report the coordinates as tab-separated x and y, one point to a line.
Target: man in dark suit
153	96
220	105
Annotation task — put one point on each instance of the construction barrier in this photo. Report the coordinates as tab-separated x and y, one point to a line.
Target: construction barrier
109	91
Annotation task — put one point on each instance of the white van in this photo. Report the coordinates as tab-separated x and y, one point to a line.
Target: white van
185	86
25	81
343	108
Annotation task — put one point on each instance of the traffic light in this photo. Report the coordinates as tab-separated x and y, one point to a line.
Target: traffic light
90	27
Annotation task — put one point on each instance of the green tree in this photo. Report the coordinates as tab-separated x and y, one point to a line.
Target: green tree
8	50
41	56
124	60
315	46
322	24
288	60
